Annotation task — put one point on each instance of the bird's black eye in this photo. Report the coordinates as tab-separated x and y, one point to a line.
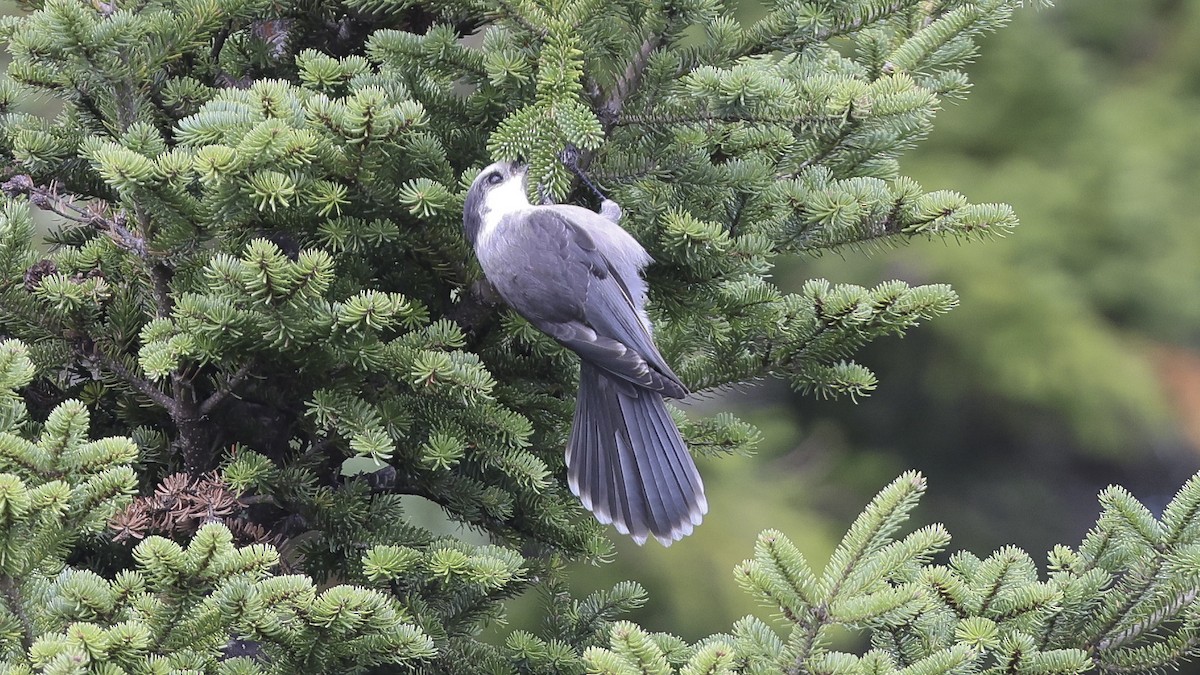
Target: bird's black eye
494	178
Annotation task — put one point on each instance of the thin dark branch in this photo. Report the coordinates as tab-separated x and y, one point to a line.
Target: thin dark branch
219	44
88	104
627	83
702	116
217	397
812	626
767	43
126	100
160	274
839	143
522	20
93	214
646	169
140	383
12	597
736	221
251	500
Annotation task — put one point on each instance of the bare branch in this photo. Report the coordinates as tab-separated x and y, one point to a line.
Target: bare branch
94	214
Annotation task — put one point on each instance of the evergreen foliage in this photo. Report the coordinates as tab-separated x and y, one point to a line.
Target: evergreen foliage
256	291
1123	601
209	607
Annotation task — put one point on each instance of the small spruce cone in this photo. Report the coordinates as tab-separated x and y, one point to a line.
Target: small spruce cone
34	275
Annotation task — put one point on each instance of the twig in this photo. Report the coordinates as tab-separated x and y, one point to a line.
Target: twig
219	44
93	215
736	221
570	157
1168	611
697	117
160	274
521	20
766	43
627	83
141	384
12	597
217	397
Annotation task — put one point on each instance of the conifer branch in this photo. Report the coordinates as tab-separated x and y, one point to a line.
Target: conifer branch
1135	591
811	627
655	120
522	20
432	388
125	102
224	390
160	278
627	83
864	20
194	438
94	215
1182	599
141	384
838	143
88	103
214	54
16	605
739	208
763	42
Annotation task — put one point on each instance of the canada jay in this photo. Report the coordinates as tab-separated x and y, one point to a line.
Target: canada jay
576	276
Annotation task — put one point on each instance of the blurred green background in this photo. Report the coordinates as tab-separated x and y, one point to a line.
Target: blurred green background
1073	361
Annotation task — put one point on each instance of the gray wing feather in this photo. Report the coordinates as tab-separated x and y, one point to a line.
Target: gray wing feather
555	274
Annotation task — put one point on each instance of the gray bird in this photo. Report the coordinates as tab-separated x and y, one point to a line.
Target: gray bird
576	276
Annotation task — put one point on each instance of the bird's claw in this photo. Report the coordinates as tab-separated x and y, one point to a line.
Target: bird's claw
570	158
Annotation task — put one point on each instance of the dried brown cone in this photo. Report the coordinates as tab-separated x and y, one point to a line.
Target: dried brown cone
132	522
249	532
38	271
179	506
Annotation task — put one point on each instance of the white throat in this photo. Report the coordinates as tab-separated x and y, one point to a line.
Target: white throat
502	200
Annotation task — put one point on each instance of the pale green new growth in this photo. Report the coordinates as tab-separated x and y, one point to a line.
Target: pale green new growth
1125	601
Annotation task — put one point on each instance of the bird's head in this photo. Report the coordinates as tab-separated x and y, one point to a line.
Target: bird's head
497	191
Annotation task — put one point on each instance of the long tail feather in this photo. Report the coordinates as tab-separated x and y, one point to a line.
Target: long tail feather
628	464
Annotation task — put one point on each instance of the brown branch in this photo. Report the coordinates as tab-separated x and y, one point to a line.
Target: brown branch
218	44
521	20
700	117
160	274
765	43
627	83
160	277
93	215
